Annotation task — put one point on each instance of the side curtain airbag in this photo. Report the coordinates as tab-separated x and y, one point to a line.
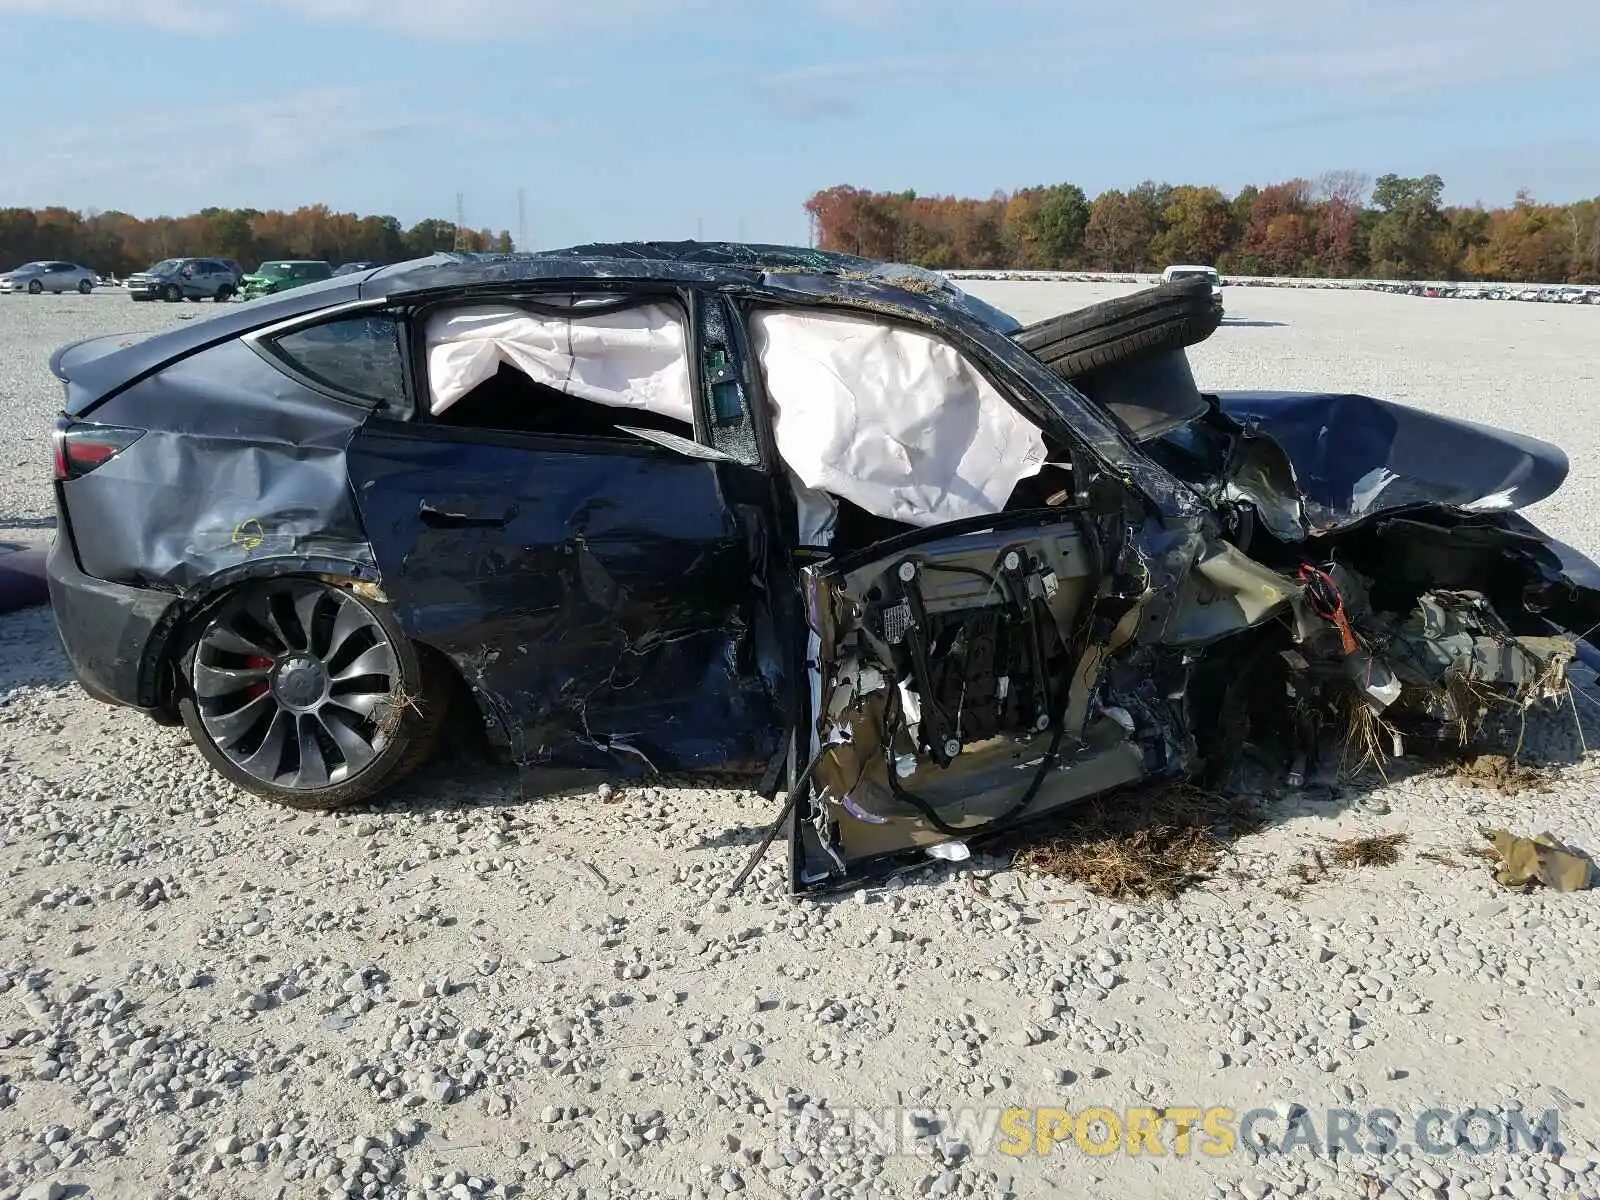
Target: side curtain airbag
893	420
636	358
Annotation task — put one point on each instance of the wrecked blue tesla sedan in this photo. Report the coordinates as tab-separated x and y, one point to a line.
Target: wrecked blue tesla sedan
669	507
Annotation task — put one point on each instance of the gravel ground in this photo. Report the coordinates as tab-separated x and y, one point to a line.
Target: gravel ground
458	994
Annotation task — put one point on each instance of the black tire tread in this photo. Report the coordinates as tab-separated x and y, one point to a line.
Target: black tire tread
1156	320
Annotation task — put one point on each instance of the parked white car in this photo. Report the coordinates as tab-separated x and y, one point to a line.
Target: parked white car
36	277
1189	271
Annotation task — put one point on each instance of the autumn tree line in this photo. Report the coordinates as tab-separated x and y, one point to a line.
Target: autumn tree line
114	243
1342	225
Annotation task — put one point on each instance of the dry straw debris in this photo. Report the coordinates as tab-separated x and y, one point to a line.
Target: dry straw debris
1378	850
1144	845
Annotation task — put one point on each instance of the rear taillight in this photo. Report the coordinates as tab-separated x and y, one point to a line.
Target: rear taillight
81	447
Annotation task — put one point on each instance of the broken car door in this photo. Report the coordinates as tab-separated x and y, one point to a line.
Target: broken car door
955	663
959	674
554	527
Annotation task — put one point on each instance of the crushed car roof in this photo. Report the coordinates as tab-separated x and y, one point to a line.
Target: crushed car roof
703	262
644	259
670	262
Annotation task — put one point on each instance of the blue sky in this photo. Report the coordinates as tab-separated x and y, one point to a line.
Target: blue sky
674	118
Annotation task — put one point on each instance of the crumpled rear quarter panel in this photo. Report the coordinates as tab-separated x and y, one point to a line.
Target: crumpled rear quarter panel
238	464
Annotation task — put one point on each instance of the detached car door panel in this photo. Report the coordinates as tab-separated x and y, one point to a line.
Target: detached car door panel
597	594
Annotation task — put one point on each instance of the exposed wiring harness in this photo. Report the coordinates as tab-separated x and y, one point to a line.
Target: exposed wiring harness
1057	721
1324	599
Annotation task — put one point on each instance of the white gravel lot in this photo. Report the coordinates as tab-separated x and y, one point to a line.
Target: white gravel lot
459	994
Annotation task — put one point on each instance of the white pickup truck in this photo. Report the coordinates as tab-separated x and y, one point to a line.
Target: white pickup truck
1196	272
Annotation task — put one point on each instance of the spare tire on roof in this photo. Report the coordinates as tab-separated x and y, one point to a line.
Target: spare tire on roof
1149	322
1127	353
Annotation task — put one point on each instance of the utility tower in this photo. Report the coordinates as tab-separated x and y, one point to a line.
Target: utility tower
522	220
461	222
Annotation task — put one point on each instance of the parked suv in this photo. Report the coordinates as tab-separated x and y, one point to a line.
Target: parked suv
174	279
281	274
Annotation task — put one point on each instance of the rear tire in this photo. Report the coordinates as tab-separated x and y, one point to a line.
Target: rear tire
224	294
85	287
1154	321
309	696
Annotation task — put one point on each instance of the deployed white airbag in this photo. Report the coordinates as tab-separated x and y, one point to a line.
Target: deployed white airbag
893	420
636	358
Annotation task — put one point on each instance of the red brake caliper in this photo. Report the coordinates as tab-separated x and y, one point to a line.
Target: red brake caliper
257	662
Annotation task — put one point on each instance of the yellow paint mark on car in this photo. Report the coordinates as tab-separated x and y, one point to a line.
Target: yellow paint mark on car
249	534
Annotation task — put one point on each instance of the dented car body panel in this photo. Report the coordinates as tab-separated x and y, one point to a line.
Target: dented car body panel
1354	456
602	601
630	592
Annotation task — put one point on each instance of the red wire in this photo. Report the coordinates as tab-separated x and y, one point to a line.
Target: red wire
1329	605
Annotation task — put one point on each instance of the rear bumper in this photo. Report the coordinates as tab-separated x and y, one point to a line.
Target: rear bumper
107	630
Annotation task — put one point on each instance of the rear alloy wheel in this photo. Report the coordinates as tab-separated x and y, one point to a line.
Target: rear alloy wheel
305	694
85	287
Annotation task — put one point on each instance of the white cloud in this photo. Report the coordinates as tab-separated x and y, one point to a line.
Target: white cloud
865	13
481	20
1345	49
175	16
284	149
1372	47
459	20
1340	45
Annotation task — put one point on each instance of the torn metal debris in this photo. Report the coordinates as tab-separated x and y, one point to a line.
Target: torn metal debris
1528	861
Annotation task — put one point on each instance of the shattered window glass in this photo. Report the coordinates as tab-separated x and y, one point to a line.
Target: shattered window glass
361	356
